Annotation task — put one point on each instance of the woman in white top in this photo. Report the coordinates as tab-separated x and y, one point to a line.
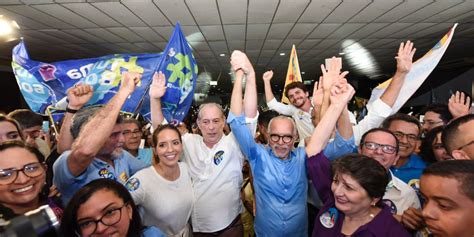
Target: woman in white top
164	189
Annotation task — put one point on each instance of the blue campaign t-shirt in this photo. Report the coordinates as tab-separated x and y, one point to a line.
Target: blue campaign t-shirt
125	165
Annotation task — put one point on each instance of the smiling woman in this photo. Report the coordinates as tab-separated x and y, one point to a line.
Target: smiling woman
104	207
164	190
22	180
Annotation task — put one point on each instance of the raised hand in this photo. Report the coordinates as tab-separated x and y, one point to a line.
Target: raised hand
267	76
459	104
79	95
239	61
318	93
405	57
158	86
332	72
129	81
341	92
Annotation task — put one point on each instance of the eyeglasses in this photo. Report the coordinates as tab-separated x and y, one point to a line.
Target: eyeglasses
431	122
465	145
387	149
130	133
410	137
110	218
32	170
285	138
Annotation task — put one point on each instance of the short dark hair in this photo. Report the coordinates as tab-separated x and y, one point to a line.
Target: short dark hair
403	117
158	130
132	120
265	117
426	147
461	170
69	225
83	116
26	118
293	85
452	130
441	109
362	139
4	118
369	173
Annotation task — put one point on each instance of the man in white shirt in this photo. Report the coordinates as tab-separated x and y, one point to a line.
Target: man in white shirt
215	167
382	145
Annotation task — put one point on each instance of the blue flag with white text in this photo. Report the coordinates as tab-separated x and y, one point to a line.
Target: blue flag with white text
45	84
180	69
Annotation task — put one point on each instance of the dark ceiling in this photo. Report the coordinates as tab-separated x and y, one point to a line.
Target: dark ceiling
68	29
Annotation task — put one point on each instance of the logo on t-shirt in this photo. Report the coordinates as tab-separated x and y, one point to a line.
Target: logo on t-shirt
218	157
132	184
389	203
105	173
329	218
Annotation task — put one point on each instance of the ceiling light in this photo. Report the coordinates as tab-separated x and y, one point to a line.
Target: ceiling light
302	73
282	54
222	54
341	53
5	27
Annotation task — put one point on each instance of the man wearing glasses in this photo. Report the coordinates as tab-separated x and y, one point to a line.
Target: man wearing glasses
132	134
458	138
435	115
280	178
407	129
382	145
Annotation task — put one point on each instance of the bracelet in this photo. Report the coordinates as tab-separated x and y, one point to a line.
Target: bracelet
71	111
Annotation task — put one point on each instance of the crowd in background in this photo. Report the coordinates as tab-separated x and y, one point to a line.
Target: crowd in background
307	168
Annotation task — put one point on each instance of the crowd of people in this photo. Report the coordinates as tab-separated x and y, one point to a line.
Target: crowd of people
302	169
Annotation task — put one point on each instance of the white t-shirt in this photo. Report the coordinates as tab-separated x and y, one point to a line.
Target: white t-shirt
401	196
166	204
216	174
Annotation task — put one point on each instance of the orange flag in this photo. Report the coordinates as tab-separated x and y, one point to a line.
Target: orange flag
293	74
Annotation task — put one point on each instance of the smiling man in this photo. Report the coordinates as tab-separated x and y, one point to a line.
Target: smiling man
448	190
382	145
97	149
407	129
279	170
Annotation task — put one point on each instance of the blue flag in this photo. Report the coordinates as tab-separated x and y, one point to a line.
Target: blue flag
45	84
180	69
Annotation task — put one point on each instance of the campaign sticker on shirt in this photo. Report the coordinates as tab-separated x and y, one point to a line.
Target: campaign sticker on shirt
123	176
389	203
105	173
218	157
328	218
132	184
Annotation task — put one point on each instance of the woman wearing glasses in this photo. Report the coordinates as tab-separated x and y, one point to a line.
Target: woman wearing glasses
104	207
164	189
23	180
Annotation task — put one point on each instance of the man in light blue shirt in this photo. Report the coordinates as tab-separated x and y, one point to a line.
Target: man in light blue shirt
279	171
97	150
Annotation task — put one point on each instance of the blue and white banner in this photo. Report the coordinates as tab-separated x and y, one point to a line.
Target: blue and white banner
420	70
180	68
45	84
